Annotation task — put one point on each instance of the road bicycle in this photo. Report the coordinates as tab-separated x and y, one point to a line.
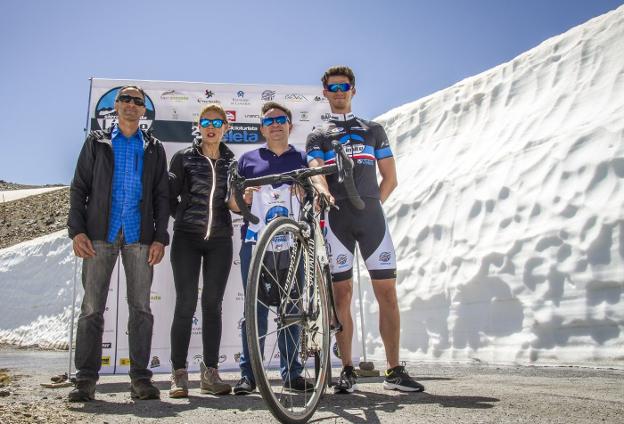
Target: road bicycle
290	313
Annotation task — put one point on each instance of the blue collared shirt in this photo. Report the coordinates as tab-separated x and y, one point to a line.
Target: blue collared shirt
125	214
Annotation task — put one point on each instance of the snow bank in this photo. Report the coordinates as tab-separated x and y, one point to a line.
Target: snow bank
509	217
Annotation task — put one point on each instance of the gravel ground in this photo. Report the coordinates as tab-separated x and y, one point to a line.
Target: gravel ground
33	216
466	394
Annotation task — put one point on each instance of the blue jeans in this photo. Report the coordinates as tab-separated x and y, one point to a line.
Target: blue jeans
287	350
96	276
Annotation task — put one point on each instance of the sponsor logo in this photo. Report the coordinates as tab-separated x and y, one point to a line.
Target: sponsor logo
326	116
267	95
198	357
320	99
174	96
222	358
335	350
107	345
231	115
336	130
155	362
208	95
341	259
275	195
275	212
155	297
295	97
304	116
240	99
237	356
353	149
243	134
384	256
196	329
106	116
252	116
124	362
106	361
174	115
236	261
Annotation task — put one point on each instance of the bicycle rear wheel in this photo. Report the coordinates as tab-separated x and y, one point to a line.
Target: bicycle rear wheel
296	341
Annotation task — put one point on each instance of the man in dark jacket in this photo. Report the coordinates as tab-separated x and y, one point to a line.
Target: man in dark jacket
119	202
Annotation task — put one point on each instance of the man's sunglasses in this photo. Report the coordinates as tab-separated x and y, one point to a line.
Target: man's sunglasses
267	122
205	122
334	88
125	98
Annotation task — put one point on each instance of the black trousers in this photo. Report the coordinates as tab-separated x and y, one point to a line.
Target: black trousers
189	253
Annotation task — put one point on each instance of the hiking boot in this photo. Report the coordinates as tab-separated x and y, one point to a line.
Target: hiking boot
398	379
244	387
211	383
347	382
179	384
299	384
144	389
83	392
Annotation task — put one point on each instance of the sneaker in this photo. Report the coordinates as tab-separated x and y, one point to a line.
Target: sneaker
179	384
398	379
347	382
144	389
299	384
83	392
244	387
211	383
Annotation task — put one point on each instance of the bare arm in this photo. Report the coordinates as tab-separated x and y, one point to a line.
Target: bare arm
319	181
387	169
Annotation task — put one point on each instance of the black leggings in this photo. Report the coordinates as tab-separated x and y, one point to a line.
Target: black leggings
187	252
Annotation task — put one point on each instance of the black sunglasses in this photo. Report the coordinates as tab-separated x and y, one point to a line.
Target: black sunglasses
126	98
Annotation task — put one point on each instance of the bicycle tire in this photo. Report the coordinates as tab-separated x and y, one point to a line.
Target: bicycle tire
303	308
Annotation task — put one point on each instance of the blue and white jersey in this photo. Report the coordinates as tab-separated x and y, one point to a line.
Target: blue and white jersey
269	203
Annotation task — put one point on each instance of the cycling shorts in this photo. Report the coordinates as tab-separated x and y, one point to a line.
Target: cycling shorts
367	227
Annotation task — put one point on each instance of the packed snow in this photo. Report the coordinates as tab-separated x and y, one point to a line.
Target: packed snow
10	195
508	220
509	217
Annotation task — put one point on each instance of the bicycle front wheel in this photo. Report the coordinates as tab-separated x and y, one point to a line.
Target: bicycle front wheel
287	319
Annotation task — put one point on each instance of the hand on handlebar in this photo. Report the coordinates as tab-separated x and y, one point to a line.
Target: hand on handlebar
248	195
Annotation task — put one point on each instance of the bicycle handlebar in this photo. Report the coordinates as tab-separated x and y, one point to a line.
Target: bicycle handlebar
343	166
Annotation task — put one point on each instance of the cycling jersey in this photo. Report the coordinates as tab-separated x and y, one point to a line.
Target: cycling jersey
269	203
364	141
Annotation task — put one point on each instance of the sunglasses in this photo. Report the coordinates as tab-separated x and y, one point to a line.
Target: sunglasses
205	122
334	88
267	122
125	98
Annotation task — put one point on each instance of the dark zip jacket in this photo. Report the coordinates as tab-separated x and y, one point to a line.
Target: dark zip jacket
91	192
198	192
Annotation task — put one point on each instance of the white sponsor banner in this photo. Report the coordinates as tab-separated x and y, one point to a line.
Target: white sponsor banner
172	110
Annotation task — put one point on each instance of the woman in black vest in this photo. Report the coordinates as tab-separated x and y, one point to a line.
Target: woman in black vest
202	238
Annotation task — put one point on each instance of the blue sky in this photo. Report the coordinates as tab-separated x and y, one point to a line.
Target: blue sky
400	50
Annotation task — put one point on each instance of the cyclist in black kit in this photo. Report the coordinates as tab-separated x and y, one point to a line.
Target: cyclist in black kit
367	144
